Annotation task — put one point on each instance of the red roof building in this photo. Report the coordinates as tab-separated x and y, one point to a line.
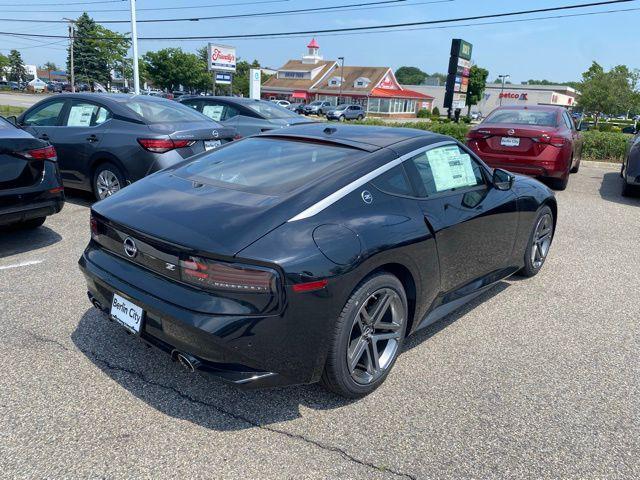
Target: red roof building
375	88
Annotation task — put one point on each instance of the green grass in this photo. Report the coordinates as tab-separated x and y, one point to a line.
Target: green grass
8	110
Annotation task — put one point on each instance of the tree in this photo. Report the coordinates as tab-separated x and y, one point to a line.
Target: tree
410	76
4	63
17	72
96	51
611	92
171	67
477	83
50	67
499	80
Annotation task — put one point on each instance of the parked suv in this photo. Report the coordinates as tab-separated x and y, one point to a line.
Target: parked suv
30	184
346	111
106	141
317	108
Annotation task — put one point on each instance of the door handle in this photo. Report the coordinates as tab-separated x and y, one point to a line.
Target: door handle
92	138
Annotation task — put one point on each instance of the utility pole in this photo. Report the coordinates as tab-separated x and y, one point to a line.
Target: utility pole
341	79
134	42
72	34
503	78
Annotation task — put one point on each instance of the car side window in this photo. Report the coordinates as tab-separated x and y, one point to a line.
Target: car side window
395	182
229	112
214	111
83	114
568	121
444	169
45	116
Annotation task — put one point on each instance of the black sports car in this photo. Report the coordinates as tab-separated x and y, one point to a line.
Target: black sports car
30	184
310	253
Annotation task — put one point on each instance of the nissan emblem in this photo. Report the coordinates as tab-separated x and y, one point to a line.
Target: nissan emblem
130	248
215	134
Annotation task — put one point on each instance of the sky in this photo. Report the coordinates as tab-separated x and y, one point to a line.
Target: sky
554	49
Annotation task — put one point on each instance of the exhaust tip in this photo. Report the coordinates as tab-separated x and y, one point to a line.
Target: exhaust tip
187	361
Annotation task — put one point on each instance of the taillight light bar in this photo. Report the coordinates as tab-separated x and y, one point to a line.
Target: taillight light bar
45	153
214	275
550	140
163	145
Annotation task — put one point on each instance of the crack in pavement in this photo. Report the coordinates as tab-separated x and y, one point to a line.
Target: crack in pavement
235	416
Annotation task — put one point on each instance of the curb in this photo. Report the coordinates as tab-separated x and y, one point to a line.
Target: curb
595	163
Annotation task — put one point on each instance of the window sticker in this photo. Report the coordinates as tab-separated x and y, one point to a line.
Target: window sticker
213	111
80	115
451	168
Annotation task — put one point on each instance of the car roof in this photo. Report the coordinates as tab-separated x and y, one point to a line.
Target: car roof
365	137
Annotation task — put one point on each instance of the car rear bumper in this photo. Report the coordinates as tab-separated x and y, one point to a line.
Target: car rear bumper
553	164
248	351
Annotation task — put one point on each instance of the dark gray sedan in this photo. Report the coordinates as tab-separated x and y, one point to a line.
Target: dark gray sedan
246	115
107	141
631	167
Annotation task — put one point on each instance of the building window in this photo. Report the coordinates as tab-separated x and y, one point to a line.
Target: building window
391	105
291	74
361	82
335	81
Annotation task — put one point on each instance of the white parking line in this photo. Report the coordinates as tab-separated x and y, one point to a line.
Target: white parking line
21	264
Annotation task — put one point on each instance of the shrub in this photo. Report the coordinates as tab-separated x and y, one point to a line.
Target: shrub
604	146
435	112
466	120
423	113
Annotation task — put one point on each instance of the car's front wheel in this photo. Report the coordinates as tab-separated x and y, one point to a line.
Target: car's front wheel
367	338
107	180
539	243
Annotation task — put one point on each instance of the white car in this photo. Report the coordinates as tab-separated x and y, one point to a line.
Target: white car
282	103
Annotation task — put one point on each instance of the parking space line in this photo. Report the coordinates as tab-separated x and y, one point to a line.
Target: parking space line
21	264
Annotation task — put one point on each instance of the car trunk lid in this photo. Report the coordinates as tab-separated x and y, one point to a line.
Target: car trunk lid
17	167
511	139
201	136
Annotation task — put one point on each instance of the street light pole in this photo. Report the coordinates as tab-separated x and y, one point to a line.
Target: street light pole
341	78
134	42
503	78
72	34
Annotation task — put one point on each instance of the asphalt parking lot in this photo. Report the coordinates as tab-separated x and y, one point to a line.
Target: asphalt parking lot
537	378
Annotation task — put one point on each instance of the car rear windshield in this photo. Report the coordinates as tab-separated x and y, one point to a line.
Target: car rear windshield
270	110
163	111
268	165
539	118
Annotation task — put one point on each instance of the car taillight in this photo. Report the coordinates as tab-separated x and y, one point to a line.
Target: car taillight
46	153
163	145
214	275
475	135
93	224
550	140
237	136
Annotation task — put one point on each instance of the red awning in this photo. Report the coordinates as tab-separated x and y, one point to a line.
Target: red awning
299	94
393	93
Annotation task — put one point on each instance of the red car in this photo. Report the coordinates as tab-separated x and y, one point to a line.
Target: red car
535	140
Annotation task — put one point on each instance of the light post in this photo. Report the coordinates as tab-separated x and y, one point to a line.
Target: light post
503	78
341	78
72	34
134	42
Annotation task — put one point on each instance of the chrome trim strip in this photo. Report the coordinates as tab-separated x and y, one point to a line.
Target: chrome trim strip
347	189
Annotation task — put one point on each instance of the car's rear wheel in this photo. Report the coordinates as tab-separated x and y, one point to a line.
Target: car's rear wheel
559	183
360	117
341	118
107	180
539	243
367	338
577	167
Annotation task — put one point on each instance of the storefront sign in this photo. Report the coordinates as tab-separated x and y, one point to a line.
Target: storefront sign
254	83
222	58
458	74
223	78
514	96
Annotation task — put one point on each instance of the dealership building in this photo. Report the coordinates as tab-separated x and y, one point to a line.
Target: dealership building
375	88
494	94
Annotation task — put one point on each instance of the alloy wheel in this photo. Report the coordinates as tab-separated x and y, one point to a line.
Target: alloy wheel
107	184
375	336
541	240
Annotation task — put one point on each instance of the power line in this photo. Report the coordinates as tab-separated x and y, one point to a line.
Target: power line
353	29
209	5
71	3
366	5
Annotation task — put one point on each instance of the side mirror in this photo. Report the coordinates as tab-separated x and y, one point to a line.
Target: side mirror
502	179
12	120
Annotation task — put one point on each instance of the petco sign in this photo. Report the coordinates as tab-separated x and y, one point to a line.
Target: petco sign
515	96
222	58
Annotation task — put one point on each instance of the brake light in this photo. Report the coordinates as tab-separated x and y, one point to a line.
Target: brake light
163	145
237	136
214	275
46	153
550	140
93	225
476	135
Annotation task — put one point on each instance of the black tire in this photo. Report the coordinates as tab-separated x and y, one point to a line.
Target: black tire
530	269
107	168
337	376
360	117
559	183
629	190
576	169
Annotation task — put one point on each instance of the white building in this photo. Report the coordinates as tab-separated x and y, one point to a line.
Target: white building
512	95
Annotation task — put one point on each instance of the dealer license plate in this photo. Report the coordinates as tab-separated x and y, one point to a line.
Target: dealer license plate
510	142
211	144
126	313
